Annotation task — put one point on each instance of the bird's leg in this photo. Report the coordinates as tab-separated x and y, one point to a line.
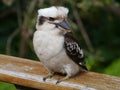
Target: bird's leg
62	79
49	75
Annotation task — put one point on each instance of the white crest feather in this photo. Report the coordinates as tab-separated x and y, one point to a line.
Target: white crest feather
53	11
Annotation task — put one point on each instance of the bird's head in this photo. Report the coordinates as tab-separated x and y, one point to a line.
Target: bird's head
53	17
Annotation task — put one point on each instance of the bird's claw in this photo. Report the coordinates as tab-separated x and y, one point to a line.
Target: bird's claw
44	79
62	79
48	76
58	81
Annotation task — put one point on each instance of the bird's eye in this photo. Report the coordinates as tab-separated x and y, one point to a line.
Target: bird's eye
51	18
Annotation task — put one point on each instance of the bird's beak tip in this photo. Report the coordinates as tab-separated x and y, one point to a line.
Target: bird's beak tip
63	25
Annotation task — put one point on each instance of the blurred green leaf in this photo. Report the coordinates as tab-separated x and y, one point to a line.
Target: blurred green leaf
113	68
6	86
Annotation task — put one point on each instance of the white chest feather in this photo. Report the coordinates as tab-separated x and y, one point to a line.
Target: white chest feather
49	49
47	44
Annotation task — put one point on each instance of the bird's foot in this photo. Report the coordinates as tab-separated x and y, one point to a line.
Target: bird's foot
50	74
62	79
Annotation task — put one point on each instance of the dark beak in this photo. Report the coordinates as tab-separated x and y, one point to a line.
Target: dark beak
63	25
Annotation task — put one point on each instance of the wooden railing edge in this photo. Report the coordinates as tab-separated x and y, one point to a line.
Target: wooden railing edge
30	73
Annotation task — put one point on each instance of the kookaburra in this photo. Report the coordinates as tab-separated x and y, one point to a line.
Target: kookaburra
55	45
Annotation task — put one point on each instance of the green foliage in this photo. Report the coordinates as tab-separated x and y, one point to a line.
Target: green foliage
6	86
113	68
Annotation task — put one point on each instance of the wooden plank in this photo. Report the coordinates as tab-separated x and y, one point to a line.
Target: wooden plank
30	73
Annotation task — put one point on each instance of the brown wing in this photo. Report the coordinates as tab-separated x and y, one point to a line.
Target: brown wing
73	50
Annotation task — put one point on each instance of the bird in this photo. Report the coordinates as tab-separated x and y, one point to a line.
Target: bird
55	44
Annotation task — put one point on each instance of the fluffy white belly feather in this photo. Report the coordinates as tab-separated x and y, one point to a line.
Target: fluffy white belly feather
49	48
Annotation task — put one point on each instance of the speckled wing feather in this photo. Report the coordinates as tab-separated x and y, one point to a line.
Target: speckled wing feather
73	50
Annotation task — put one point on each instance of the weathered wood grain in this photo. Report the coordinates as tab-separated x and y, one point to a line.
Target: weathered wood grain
30	73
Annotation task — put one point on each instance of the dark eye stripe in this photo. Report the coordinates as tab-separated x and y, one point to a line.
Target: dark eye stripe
41	20
51	18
